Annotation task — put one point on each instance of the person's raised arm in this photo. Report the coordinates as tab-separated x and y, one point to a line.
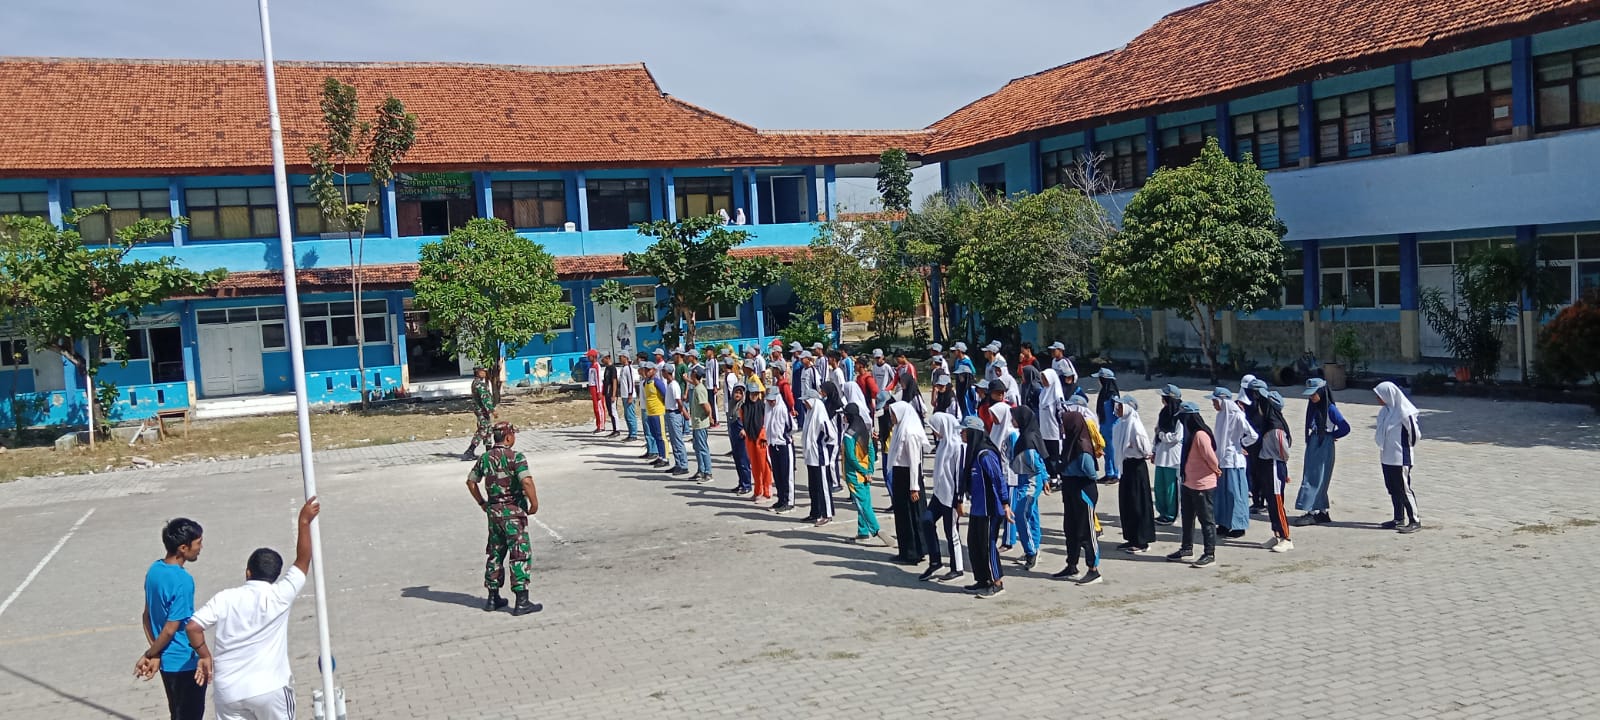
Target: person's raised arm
302	543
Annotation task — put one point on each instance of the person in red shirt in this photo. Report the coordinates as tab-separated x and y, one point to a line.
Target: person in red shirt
869	386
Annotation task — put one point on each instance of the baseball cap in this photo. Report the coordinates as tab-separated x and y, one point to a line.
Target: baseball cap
773	393
659	351
1260	385
983	385
884	398
1220	393
1188	408
941	380
877	352
795	345
811	394
959	346
1276	398
1172	391
1077	400
936	347
1314	385
1057	346
972	422
1128	400
1104	373
806	355
752	386
816	346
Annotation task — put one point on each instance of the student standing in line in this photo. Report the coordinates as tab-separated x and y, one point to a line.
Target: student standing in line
1325	425
1106	412
655	415
1051	404
859	463
1275	443
1134	497
984	497
1168	454
820	436
1032	387
753	419
1078	404
700	409
1059	361
779	426
1200	474
961	376
608	380
1253	400
168	604
1233	434
907	442
833	409
737	440
947	465
1081	444
677	423
944	399
1002	433
938	365
627	394
1027	455
1397	433
594	378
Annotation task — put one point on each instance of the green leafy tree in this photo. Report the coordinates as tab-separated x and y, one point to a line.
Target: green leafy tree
73	299
351	145
692	259
894	180
1489	285
1569	345
1028	257
1197	239
486	287
613	293
834	274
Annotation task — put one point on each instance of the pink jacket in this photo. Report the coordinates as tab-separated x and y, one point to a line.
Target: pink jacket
1200	473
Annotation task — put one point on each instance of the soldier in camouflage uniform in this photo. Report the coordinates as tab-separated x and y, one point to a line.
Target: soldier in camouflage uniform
511	498
482	409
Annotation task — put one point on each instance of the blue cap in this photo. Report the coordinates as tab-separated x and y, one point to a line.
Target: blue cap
1259	384
1220	393
1104	373
1188	408
1172	391
983	385
1077	400
811	394
972	422
1275	398
942	380
1314	385
1128	400
884	398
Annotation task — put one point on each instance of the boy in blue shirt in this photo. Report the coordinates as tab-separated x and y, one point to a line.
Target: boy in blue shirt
168	603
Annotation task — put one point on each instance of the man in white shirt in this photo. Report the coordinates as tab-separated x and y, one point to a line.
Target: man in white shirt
628	392
677	422
251	626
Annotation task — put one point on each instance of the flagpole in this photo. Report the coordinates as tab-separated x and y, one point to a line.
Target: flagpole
291	293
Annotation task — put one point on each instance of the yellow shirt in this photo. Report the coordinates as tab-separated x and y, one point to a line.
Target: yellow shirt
654	404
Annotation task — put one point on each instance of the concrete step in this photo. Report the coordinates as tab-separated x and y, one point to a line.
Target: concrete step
243	406
433	389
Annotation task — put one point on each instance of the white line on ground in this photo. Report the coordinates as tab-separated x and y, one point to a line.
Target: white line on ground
29	579
547	529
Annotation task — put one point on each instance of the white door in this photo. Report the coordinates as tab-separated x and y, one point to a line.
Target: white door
613	330
1441	277
246	361
230	359
48	373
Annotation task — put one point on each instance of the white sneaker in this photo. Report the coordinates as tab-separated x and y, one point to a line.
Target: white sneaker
1270	543
1283	546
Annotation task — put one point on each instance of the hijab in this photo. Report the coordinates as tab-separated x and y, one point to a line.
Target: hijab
1002	424
1319	412
1132	432
1397	413
1108	393
1075	435
831	398
1032	386
1027	434
1193	425
947	456
907	437
1270	416
1167	421
1050	402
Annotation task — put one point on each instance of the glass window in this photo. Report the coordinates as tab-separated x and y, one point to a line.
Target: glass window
992	180
1332	257
231	213
1434	253
1182	145
1458	110
127	208
1294	289
272	336
13	352
211	317
1124	161
335	323
618	204
25	204
700	196
1332	289
316	332
1061	167
1568	89
644	305
566	299
1356	125
1557	247
1589	246
1559	279
525	204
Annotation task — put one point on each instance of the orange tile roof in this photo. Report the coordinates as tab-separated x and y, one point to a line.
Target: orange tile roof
65	117
398	276
1236	48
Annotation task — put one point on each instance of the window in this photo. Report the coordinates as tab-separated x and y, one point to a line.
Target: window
308	219
1356	125
1571	264
1270	137
1568	89
618	204
1182	145
1463	109
13	353
138	347
334	324
229	213
1361	276
433	203
644	305
717	311
1125	161
992	180
1294	277
531	204
566	299
697	197
25	204
1061	167
127	208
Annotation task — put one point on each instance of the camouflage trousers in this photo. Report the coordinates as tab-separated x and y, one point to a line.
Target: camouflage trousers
508	535
483	436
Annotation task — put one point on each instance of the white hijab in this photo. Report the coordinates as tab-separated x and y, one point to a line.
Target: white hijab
852	395
947	456
1012	396
1050	401
1002	426
1132	437
907	441
819	432
1397	412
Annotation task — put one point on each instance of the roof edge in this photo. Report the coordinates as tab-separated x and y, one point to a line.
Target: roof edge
326	64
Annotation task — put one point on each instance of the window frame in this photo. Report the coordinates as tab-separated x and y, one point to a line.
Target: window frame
1287	118
1375	267
18	346
1572	83
261	204
1490	94
986	182
1372	116
1115	162
1293	266
685	188
1184	148
89	228
1056	166
632	191
21	201
1575	263
325	314
714	312
506	193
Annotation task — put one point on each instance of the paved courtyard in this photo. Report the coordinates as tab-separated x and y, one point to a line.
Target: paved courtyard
668	599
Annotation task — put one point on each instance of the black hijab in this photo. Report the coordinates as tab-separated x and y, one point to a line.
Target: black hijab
1032	385
909	391
858	425
831	398
1027	423
1167	421
1270	416
753	413
1108	393
977	442
943	399
1193	424
1319	413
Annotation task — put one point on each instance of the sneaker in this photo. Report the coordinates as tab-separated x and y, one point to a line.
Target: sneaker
1091	578
1390	525
1304	520
1125	546
1282	546
1410	528
1029	561
1271	543
859	538
1069	572
680	471
1323	518
1005	548
659	463
648	456
975	587
882	539
990	592
1206	560
783	509
702	478
823	521
1235	534
929	573
1182	555
952	575
1138	549
1165	521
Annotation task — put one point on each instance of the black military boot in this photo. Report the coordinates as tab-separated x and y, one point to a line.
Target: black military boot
495	602
524	607
471	453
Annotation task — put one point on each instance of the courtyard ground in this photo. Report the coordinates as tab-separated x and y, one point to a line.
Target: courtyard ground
668	599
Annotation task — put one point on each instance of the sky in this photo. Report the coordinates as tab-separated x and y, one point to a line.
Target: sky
835	64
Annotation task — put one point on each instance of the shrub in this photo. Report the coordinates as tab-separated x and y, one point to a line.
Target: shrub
1569	345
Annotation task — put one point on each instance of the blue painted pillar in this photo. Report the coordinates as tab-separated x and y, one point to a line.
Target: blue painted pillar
569	185
391	214
582	318
830	188
188	334
70	386
935	280
1410	295
1311	264
402	356
1035	172
1152	144
1308	125
811	193
754	211
741	198
761	320
1527	235
53	194
656	213
1225	129
1522	109
580	184
669	194
175	205
1089	151
944	178
483	193
1405	109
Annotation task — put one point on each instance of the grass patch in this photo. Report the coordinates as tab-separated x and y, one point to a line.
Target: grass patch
843	655
778	654
235	438
1537	529
1583	522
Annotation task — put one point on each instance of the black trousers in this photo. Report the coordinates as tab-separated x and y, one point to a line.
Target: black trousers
817	488
1052	458
1261	473
1197	504
940	514
1397	479
1079	495
611	410
1136	500
782	459
185	699
985	535
907	516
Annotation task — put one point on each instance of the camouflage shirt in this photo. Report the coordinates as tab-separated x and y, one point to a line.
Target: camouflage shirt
482	397
502	470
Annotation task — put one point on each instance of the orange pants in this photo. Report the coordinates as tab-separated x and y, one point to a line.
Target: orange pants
760	467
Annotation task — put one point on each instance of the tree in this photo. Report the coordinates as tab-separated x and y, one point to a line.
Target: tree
1195	240
347	138
486	287
1488	283
934	234
73	299
1028	257
1569	345
894	180
691	258
834	274
613	293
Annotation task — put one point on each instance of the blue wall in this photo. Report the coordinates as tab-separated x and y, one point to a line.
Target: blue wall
964	171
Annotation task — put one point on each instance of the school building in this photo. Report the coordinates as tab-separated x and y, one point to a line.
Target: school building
1397	138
